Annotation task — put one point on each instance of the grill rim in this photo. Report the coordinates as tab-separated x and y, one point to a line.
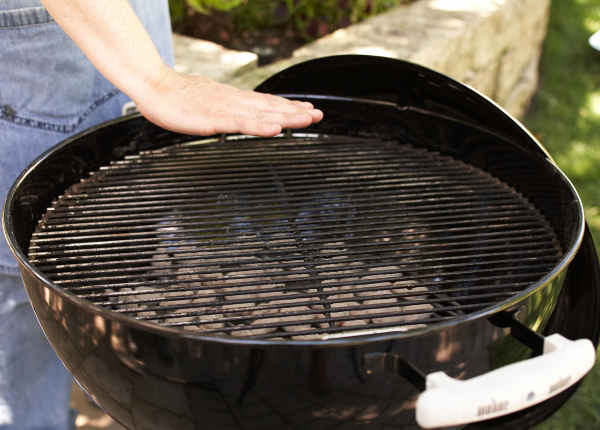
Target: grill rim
370	336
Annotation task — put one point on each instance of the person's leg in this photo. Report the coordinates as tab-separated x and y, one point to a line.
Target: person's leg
34	385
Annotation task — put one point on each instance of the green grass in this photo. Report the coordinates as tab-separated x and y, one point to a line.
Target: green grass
565	116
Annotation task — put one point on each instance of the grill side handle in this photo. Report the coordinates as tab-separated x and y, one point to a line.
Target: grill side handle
446	401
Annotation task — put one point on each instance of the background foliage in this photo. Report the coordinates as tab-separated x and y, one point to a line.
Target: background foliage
566	118
310	18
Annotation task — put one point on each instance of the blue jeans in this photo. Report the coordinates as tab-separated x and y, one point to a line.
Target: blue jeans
48	91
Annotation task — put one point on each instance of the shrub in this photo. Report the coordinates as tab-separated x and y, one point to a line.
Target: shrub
310	18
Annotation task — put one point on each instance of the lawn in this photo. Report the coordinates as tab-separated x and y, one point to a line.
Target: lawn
565	116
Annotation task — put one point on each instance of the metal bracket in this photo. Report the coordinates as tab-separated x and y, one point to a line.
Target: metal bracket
522	333
378	362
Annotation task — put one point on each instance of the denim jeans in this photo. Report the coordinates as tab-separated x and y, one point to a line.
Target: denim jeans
48	91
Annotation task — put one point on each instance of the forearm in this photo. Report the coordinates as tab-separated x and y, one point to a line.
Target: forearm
115	41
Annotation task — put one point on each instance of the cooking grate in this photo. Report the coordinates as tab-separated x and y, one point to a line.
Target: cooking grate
296	237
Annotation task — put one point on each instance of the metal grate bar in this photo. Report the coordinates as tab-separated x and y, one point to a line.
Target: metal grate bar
251	265
377	190
271	256
378	202
280	228
329	250
250	272
425	255
322	223
172	182
538	237
148	281
294	293
327	320
57	253
288	168
326	156
360	307
457	294
177	197
434	218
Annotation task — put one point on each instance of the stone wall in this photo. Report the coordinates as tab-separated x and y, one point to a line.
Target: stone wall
491	45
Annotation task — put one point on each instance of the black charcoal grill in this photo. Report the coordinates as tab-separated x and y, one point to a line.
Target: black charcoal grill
318	278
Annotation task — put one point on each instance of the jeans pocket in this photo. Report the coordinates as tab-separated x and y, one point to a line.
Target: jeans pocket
45	79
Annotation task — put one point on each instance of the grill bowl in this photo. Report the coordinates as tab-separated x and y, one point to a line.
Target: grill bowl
146	374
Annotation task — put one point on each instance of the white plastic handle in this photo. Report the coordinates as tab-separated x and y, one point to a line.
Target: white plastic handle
447	401
595	40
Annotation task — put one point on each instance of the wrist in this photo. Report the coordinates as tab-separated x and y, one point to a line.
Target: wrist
151	84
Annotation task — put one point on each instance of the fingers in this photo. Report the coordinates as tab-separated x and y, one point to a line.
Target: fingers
267	123
260	123
272	103
316	115
305	104
269	102
260	114
285	120
302	108
246	125
308	107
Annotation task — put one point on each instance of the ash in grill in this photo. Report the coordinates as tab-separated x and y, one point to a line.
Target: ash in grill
297	237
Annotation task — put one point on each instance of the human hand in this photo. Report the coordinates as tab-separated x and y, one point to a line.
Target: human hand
197	105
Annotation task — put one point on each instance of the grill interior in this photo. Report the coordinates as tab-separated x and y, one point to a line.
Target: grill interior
296	237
